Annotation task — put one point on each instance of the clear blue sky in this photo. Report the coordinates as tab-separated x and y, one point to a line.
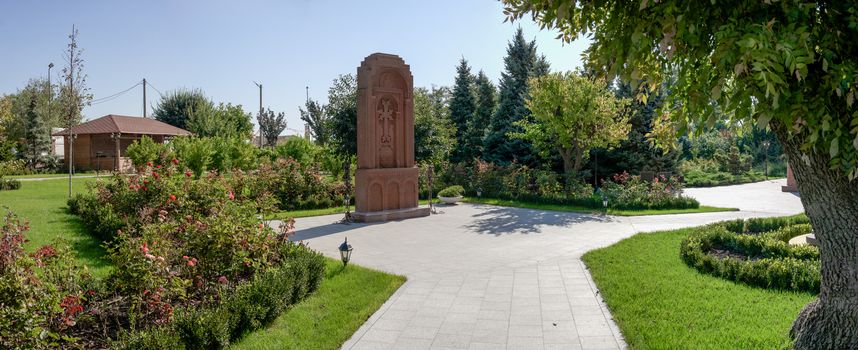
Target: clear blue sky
223	46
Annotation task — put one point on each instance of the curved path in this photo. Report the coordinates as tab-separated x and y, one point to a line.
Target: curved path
488	277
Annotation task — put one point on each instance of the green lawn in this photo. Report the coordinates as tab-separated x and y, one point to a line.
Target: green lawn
659	302
43	203
326	319
51	176
586	210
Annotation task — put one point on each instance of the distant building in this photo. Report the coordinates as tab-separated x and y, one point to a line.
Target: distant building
57	143
99	144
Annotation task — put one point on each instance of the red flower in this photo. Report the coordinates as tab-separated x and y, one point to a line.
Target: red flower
192	262
172	197
185	257
175	161
188	174
154	174
231	195
159	166
222	280
144	248
148	163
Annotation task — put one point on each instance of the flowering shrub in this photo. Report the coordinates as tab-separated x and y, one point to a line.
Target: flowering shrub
43	295
181	247
625	191
297	186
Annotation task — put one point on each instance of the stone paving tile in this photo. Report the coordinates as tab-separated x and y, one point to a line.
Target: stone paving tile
485	277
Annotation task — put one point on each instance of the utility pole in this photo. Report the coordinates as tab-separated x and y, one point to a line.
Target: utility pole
72	100
260	112
308	94
144	98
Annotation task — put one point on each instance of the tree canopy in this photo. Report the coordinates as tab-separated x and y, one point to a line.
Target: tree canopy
178	107
317	120
571	114
462	106
342	109
434	133
270	126
225	120
788	65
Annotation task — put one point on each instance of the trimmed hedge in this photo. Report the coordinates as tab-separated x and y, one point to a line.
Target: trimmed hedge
595	201
249	306
770	262
452	191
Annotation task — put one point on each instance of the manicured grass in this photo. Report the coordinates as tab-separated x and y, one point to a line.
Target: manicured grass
43	203
659	302
345	300
586	210
51	176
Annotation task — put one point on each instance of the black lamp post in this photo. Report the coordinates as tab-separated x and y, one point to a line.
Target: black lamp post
766	145
348	188
345	252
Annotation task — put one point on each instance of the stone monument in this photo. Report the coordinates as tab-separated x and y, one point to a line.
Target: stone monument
386	177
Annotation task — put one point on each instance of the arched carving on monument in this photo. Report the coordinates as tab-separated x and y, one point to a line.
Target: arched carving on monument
391	79
387	112
409	195
392	195
376	196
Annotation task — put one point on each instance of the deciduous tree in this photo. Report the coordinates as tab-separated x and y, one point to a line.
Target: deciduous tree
179	107
570	115
788	65
317	120
342	109
270	126
434	133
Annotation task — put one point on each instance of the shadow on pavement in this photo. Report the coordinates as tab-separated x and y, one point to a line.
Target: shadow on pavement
498	221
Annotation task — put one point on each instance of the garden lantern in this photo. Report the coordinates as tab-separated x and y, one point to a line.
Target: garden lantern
479	192
605	202
345	252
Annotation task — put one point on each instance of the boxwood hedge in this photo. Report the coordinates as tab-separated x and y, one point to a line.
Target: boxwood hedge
755	252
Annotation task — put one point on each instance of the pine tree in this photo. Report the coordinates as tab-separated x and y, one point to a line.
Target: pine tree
462	107
486	102
520	64
36	133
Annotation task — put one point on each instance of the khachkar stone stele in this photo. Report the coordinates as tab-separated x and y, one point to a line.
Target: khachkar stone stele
386	178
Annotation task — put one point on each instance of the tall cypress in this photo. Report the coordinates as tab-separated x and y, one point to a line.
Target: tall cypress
486	102
520	64
462	107
37	133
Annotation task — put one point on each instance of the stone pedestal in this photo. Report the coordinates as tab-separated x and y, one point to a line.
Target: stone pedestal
791	185
386	178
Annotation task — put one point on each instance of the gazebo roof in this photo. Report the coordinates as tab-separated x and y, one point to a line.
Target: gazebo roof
112	123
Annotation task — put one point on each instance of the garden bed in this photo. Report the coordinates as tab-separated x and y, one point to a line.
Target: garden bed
755	252
660	302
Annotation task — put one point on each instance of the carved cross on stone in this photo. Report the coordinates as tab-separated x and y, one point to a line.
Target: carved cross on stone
386	115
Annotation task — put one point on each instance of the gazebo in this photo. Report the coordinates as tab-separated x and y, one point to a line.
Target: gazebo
100	143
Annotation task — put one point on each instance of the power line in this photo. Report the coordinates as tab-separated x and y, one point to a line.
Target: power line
114	96
149	84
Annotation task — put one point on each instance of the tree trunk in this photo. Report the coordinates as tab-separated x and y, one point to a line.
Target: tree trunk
831	202
568	166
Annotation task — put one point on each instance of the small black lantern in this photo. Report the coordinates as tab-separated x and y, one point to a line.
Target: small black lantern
345	252
605	202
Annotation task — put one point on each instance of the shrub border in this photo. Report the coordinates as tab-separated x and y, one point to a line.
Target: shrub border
776	265
250	306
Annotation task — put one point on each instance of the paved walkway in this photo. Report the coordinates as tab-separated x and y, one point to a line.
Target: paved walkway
487	277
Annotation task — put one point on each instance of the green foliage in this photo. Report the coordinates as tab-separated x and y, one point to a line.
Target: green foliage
477	126
299	149
249	306
463	104
791	65
146	151
317	120
434	133
270	126
195	153
637	153
223	120
519	65
763	260
452	191
658	302
179	107
299	186
9	184
43	293
571	114
342	109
